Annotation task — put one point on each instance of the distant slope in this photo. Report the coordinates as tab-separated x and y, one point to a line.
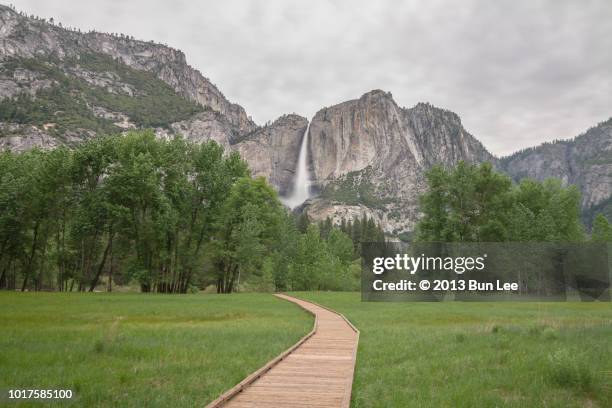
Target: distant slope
25	37
585	161
77	97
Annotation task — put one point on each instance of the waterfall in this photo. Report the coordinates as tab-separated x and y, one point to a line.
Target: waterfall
301	183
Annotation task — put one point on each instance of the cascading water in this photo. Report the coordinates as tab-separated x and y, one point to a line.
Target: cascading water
301	184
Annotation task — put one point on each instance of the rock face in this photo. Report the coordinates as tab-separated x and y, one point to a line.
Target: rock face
204	126
25	137
369	156
356	134
371	153
585	161
272	151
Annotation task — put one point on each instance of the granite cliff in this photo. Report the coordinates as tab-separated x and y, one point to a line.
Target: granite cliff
272	151
370	155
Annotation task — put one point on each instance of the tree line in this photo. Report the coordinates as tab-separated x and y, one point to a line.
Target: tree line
474	203
168	215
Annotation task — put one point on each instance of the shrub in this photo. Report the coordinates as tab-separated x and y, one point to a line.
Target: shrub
98	346
534	330
550	334
567	370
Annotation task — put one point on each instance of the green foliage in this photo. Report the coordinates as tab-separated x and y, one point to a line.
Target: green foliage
405	236
249	226
602	230
604	207
56	106
475	204
321	264
353	189
568	370
302	223
340	246
154	104
133	207
166	215
360	230
67	104
326	256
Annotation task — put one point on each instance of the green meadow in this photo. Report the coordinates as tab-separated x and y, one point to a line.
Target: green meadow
141	350
182	351
459	354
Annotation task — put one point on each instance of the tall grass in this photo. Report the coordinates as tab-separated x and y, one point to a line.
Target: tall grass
131	350
458	354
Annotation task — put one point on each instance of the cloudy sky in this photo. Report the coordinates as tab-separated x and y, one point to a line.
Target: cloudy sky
517	72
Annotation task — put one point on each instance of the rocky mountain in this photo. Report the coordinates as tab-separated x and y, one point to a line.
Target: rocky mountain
370	155
585	161
28	38
59	87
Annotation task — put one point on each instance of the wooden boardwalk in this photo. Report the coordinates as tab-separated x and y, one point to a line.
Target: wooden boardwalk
316	372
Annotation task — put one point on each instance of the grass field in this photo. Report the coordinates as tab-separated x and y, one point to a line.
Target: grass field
137	350
169	350
479	354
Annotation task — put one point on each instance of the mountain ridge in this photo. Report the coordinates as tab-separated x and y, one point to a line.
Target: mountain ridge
26	37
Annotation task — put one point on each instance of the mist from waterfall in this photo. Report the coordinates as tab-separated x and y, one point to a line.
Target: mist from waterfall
301	182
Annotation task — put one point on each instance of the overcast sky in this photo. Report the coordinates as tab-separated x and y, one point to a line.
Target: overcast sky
517	72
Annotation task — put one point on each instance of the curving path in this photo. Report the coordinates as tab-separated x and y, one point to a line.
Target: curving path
316	372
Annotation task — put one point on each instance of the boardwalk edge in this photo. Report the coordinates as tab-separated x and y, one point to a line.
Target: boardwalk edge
237	389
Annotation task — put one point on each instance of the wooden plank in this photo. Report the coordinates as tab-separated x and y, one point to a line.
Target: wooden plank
315	372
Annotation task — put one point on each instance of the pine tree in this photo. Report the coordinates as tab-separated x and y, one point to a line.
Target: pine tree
302	222
325	227
602	230
356	230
